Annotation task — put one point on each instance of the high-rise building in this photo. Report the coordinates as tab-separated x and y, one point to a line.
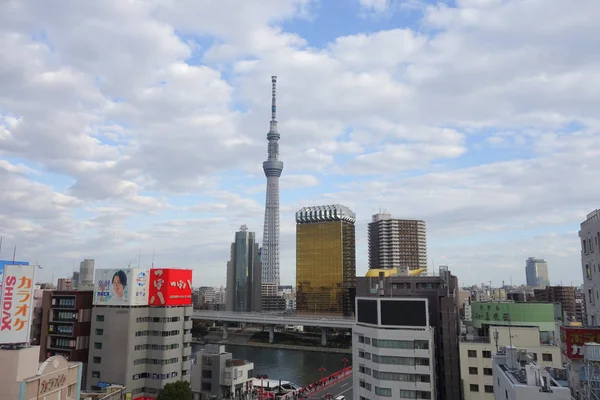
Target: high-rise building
536	271
393	347
441	293
64	284
141	334
66	326
589	234
244	273
325	259
75	279
272	168
86	273
397	243
565	295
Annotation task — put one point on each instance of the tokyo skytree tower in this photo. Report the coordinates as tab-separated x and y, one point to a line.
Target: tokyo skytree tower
272	168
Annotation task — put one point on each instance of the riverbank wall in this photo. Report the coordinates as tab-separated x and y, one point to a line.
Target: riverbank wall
247	343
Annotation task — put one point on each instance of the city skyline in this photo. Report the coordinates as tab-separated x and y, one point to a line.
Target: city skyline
151	139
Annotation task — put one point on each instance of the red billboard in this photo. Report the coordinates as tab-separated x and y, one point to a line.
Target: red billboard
170	287
573	338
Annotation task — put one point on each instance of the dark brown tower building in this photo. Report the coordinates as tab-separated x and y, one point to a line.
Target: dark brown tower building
442	295
395	243
565	295
66	323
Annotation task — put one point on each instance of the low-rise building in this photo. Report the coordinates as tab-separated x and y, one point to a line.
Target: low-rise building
216	374
476	356
517	377
22	376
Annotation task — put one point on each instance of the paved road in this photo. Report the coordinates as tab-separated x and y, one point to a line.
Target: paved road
343	387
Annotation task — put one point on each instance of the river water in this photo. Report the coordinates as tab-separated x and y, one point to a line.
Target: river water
299	367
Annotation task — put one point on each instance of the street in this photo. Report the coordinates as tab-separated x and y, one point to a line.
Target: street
341	387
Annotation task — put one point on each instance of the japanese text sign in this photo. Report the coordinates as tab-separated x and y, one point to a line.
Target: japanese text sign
573	340
16	302
170	287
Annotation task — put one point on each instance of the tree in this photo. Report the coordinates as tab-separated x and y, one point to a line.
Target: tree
176	391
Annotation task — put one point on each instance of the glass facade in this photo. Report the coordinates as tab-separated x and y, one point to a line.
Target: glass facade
243	273
325	267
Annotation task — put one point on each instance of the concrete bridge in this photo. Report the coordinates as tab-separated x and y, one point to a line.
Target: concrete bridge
273	319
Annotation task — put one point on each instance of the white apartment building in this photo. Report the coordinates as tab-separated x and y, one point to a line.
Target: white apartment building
590	264
476	357
216	374
393	349
517	377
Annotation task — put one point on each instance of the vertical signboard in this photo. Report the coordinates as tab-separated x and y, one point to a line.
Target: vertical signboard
16	301
121	287
170	287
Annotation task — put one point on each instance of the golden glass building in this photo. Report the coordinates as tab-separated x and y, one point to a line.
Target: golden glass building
325	260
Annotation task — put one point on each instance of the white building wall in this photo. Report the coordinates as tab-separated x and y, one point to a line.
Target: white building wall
366	383
589	236
506	389
476	356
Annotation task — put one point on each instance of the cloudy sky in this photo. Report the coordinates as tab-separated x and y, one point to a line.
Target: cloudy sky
131	126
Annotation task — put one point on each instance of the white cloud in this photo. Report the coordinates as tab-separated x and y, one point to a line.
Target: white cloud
375	5
142	125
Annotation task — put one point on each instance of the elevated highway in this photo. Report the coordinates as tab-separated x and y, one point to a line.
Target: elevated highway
273	319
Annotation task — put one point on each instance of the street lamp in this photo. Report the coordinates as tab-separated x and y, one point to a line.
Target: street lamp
322	370
345	361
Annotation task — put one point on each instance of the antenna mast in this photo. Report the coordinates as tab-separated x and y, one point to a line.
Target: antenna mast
273	98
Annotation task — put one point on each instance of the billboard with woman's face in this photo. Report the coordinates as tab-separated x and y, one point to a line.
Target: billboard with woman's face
127	286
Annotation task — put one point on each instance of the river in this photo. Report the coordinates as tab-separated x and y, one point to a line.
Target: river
300	367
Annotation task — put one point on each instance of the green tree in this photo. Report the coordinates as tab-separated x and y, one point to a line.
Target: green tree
176	391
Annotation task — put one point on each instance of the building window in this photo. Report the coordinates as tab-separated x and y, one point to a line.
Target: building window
70	391
474	388
96	374
99	331
408	394
487	354
206	386
472	353
99	318
487	371
588	271
534	356
383	392
97	360
98	345
472	370
488	389
207	373
546	357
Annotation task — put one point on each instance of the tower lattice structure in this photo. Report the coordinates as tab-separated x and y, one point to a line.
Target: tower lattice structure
273	168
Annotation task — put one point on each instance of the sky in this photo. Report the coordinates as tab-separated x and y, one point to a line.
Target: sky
133	128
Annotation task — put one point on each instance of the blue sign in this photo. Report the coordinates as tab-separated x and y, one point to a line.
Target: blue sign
10	262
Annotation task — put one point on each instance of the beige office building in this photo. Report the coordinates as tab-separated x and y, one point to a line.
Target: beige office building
476	357
23	377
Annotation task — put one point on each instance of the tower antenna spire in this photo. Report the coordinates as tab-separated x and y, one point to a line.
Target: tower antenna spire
272	168
274	98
